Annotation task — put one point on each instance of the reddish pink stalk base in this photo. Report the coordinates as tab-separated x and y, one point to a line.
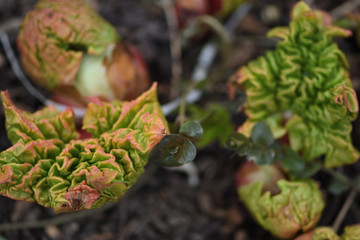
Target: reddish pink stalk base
249	172
188	10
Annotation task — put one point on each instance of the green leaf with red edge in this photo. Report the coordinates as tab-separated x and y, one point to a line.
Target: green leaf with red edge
351	232
297	207
47	123
54	37
104	117
320	233
49	166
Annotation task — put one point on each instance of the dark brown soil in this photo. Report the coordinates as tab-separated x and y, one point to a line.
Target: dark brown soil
163	205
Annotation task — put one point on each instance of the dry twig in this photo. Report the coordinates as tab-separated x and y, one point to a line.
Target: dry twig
10	24
345	208
345	8
175	46
204	61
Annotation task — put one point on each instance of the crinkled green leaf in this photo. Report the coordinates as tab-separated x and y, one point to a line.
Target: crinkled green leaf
337	187
306	77
55	35
351	233
174	150
47	123
325	233
297	207
192	130
104	117
320	233
70	175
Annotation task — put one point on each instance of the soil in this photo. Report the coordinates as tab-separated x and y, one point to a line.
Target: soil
162	204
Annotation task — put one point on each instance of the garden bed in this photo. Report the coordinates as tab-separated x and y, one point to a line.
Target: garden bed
162	205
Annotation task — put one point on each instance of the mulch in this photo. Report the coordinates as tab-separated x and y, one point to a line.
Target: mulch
163	205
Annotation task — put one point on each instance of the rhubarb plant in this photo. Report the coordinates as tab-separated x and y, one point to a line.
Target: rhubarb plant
192	8
66	46
50	165
280	206
302	89
350	233
319	234
300	105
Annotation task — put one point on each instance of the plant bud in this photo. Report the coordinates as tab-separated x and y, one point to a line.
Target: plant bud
269	175
319	233
297	207
67	47
351	232
188	10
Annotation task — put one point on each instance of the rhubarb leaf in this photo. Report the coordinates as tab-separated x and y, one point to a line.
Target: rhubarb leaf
297	207
303	89
54	37
48	165
47	123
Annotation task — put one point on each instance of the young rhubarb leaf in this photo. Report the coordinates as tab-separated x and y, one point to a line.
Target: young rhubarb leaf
48	165
351	232
54	37
297	207
69	48
303	89
47	123
320	233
